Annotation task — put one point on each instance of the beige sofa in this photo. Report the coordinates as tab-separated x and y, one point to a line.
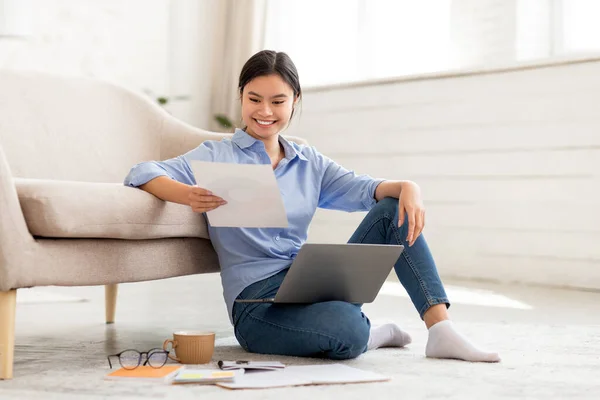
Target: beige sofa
66	219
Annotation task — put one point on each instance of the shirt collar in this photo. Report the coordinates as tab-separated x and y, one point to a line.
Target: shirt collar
242	139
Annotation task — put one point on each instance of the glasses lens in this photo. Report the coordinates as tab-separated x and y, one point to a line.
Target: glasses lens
157	358
129	359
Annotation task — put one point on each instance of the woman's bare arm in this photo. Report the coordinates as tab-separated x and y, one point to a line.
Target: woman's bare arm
167	189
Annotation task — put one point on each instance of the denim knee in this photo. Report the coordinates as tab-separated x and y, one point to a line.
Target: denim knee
386	206
348	352
353	334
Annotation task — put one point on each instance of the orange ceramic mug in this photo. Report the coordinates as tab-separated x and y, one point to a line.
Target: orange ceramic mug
191	347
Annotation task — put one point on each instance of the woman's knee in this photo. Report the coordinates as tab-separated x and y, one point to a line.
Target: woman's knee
352	332
387	206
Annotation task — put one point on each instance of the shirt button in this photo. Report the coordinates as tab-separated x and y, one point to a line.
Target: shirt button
277	237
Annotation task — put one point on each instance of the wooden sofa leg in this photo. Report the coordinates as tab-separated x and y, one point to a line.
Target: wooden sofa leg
110	296
8	305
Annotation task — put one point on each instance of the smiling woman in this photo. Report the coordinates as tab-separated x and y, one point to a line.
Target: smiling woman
267	106
269	89
254	261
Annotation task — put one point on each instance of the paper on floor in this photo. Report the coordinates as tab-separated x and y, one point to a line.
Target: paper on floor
304	375
251	191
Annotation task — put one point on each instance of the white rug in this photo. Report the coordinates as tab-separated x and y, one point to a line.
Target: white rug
556	367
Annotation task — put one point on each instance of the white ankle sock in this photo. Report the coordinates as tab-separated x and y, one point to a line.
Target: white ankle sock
446	342
388	335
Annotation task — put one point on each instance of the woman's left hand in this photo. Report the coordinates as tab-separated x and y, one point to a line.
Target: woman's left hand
411	207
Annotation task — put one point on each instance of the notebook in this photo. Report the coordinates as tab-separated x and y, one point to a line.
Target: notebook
145	372
206	376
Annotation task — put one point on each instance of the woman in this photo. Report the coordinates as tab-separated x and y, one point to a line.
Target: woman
254	261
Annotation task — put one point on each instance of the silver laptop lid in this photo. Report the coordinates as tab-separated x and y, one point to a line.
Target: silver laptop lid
347	272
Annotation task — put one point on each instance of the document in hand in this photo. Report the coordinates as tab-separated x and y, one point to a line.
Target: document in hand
251	191
303	375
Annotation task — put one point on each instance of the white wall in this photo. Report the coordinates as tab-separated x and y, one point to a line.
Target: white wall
159	46
509	165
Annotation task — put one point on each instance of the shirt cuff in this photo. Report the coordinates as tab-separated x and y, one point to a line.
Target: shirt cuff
140	175
370	201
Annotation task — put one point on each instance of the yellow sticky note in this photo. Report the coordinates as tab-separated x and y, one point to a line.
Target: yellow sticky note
189	375
224	374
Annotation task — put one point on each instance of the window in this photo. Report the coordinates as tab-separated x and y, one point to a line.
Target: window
579	31
334	41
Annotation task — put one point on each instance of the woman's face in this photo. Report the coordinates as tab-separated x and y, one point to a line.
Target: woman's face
267	103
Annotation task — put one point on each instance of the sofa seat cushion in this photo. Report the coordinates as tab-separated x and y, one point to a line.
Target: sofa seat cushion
66	209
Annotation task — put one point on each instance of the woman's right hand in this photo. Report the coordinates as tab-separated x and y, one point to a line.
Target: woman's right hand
202	200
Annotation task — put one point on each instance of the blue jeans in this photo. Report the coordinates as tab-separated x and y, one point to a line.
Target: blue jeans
336	329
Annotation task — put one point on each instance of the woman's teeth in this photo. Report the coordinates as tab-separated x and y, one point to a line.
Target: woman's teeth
265	122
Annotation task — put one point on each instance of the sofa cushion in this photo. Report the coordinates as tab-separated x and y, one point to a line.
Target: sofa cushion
66	209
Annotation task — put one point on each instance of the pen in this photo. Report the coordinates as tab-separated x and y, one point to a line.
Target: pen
220	363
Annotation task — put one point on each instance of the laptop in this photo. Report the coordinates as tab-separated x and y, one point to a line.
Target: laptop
353	273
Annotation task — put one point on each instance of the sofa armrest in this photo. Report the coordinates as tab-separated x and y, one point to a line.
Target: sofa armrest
70	209
14	235
178	138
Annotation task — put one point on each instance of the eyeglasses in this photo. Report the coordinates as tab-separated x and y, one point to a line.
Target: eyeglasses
131	359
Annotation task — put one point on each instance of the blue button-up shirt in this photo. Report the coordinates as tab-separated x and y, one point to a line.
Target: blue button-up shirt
306	179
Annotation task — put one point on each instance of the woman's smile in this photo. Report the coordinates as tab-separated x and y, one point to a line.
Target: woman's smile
264	122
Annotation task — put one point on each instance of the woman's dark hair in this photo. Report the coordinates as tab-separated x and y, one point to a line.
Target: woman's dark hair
269	62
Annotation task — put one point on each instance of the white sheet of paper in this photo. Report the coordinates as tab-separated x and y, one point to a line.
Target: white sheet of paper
303	375
251	191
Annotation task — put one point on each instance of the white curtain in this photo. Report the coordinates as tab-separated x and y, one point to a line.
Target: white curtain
239	35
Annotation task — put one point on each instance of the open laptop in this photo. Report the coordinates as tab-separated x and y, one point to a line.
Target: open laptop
346	272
